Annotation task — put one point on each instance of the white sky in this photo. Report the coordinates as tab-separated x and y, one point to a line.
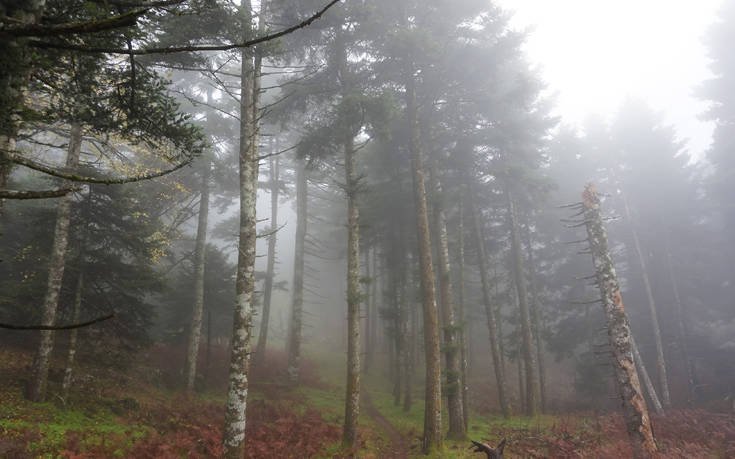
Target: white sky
595	53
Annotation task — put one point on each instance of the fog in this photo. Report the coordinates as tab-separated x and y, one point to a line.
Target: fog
367	229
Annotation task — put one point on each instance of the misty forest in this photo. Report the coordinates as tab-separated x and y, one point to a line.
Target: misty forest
376	229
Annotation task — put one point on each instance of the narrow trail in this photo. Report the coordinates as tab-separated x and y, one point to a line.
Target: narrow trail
398	446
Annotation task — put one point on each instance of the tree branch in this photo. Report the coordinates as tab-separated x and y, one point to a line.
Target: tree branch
39	30
18	194
57	327
17	159
189	48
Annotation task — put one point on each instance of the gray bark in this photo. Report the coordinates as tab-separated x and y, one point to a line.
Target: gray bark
635	412
451	343
660	361
297	293
537	324
527	340
234	429
195	329
492	323
432	437
39	379
462	321
270	264
73	335
646	380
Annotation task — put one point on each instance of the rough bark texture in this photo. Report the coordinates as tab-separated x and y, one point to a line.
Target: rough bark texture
646	380
635	412
453	371
270	264
237	393
527	340
354	297
489	309
432	438
39	379
297	292
352	401
195	330
660	361
73	335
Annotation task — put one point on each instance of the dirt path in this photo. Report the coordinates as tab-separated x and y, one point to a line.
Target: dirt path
398	446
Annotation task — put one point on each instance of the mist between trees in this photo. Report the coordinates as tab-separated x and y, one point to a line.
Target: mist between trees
384	187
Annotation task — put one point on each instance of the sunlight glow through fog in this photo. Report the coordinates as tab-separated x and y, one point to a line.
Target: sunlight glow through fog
595	53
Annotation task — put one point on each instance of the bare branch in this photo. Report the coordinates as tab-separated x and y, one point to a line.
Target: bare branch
57	327
19	194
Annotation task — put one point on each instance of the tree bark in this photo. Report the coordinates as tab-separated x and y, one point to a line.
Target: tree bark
462	320
489	309
660	361
235	419
536	320
635	412
297	293
73	334
527	340
200	250
39	379
646	380
681	321
270	264
452	344
432	437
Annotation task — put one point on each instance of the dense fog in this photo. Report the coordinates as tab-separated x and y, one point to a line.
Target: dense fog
382	229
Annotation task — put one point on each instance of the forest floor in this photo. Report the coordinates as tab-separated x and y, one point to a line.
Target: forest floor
139	413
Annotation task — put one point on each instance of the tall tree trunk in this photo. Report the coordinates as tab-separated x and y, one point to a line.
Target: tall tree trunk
270	264
39	379
372	315
297	292
527	350
660	361
234	429
410	321
635	412
452	344
536	318
73	334
462	321
489	308
352	396
682	328
432	438
646	380
367	297
200	250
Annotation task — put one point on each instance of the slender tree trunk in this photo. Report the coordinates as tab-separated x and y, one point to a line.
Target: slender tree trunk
660	361
410	320
208	361
536	318
681	321
527	340
352	396
297	293
432	438
270	264
371	313
646	380
39	379
234	430
73	334
200	250
352	402
462	320
452	344
492	323
368	310
522	383
635	412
